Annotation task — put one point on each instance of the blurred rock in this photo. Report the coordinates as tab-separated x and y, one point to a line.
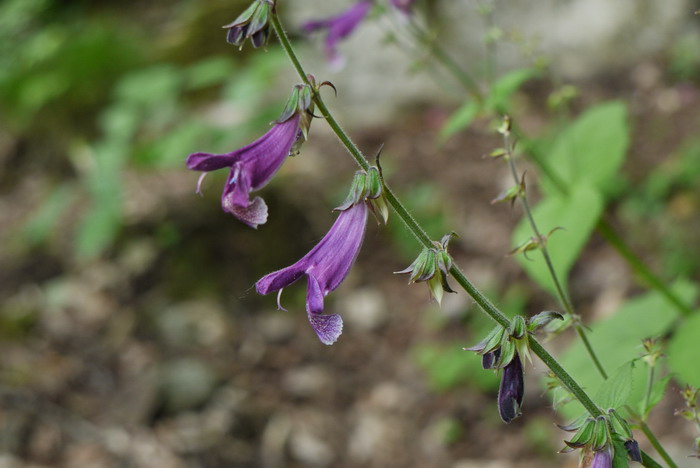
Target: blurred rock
274	440
364	309
192	323
308	381
367	437
277	327
582	38
310	449
186	383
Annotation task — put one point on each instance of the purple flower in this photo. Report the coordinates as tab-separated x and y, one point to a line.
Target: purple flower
325	267
403	5
602	459
511	391
251	167
339	27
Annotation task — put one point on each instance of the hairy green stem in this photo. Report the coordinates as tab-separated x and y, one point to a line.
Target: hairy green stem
657	445
420	234
608	233
447	61
562	293
603	227
647	394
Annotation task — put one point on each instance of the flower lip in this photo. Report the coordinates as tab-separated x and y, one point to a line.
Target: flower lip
325	267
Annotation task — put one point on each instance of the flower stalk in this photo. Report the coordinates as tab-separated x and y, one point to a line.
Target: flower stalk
412	225
562	293
603	227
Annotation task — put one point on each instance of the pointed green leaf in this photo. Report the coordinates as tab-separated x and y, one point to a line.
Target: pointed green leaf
592	149
684	352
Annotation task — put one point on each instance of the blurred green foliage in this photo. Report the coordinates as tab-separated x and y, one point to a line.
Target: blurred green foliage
78	85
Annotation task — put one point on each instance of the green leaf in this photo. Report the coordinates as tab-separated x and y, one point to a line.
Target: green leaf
577	213
208	72
449	366
684	352
506	85
617	389
592	149
42	223
617	340
620	456
459	120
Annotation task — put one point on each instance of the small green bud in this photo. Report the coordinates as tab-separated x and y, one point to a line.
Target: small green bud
584	435
542	319
374	183
601	434
517	327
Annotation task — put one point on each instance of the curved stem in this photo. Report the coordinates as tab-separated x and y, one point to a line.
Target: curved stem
420	234
562	293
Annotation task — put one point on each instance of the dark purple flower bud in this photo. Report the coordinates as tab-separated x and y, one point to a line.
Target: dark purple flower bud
339	27
403	5
633	451
252	24
251	168
325	267
489	360
602	459
511	391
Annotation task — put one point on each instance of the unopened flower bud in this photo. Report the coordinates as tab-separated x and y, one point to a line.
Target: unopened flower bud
252	24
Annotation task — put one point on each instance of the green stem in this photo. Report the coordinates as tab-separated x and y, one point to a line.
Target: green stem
603	228
561	292
448	62
608	233
657	445
425	240
647	395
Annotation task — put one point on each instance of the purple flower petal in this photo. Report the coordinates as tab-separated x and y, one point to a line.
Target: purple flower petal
511	390
325	266
253	215
327	327
339	26
602	459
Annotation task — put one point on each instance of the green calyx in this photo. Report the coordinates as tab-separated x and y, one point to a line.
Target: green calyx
508	343
367	186
300	103
432	266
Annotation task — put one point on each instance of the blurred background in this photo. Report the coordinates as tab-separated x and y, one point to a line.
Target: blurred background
130	331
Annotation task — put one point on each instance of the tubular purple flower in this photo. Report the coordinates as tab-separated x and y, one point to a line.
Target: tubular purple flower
325	267
339	27
602	459
251	168
511	390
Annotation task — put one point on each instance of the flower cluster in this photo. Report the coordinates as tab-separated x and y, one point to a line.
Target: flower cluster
432	266
604	438
504	349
